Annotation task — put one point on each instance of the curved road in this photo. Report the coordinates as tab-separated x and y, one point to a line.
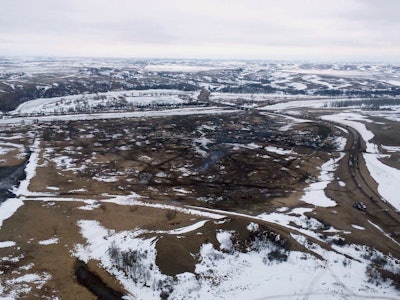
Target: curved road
377	208
358	170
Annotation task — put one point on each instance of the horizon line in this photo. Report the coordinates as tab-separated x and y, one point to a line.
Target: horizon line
282	60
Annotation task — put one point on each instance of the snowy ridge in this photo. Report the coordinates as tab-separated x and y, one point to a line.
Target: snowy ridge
123	200
99	100
118	115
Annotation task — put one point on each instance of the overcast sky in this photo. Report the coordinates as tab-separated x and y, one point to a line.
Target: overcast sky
356	30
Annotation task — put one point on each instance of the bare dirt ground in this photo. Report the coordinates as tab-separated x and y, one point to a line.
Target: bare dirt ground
384	136
199	160
213	162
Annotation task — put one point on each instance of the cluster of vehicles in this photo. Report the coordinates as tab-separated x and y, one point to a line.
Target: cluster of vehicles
360	206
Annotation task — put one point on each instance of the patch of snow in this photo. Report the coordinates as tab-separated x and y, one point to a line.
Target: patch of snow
50	241
129	200
303	224
10	147
252	227
225	240
52	188
37	279
282	209
352	120
181	191
298	85
27	267
30	170
66	163
315	194
7	244
4	151
8	208
207	127
21	287
384	233
342	129
78	190
358	227
340	143
107	179
391	148
161	175
279	151
90	205
292	121
185	171
200	145
386	177
186	229
394	82
251	146
317	80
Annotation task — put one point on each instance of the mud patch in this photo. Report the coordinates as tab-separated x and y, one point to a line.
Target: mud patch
94	283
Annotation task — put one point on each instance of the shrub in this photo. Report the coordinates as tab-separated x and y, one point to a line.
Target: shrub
170	214
131	262
277	255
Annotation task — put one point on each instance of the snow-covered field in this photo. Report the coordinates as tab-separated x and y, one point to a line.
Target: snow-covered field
225	273
101	101
315	194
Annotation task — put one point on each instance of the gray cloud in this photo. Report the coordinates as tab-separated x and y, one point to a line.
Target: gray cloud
222	28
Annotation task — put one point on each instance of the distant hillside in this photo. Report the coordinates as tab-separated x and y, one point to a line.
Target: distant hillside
23	80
